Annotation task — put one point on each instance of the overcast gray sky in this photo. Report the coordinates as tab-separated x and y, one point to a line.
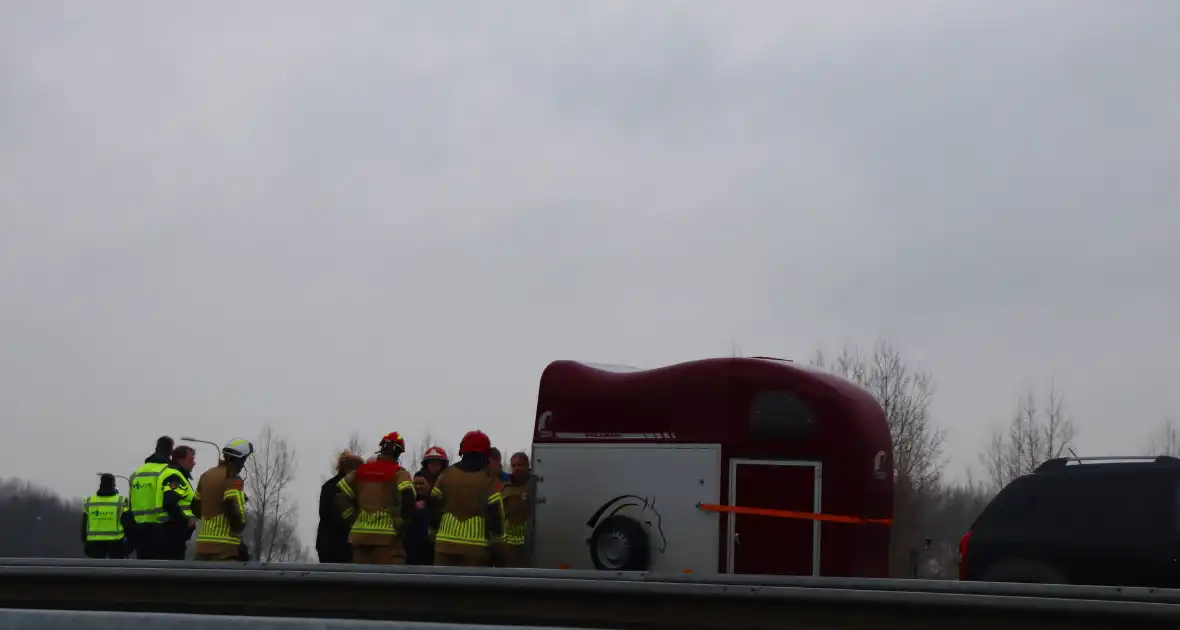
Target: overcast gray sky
380	216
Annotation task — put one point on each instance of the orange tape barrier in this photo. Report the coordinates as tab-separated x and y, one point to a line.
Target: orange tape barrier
831	518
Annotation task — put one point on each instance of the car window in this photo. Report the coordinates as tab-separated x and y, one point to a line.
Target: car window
780	414
1123	504
1025	501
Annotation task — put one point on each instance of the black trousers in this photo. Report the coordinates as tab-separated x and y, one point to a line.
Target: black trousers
335	552
162	541
100	549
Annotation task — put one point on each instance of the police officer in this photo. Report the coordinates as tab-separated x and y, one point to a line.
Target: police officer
145	494
179	502
105	516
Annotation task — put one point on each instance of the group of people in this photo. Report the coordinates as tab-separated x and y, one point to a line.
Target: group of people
157	519
467	513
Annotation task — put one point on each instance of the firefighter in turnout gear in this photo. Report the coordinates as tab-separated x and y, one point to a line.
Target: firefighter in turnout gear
105	518
466	506
517	510
378	499
223	504
145	492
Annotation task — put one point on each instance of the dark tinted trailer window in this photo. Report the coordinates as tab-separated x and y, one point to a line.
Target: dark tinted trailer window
780	414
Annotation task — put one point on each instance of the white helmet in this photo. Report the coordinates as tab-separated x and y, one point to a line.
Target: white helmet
238	448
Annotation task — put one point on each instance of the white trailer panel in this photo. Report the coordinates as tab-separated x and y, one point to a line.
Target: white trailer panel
659	485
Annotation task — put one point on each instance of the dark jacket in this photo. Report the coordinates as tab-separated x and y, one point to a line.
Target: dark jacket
331	536
416	539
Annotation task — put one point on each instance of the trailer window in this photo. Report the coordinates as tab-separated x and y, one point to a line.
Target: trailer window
776	415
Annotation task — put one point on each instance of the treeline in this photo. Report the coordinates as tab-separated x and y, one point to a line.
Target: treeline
931	512
37	523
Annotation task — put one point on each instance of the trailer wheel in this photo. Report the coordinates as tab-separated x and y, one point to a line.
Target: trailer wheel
620	543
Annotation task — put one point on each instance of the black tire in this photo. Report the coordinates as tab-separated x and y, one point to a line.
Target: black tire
1023	572
620	543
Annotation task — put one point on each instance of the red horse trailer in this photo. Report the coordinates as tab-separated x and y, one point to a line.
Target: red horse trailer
736	465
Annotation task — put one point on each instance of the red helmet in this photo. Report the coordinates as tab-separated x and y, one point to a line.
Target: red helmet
435	454
392	442
475	442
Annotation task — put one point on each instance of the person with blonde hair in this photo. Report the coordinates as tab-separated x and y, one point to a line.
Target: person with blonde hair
331	537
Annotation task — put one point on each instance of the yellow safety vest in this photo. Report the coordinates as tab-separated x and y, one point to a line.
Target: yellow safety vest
104	518
185	491
145	494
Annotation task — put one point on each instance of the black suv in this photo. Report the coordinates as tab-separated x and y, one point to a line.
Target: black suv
1081	521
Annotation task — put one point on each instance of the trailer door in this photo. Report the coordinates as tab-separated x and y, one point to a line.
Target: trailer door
774	545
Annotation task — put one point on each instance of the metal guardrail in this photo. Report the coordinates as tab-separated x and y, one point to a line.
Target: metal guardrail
573	598
13	619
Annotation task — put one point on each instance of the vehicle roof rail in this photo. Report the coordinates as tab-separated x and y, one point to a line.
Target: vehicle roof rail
1058	463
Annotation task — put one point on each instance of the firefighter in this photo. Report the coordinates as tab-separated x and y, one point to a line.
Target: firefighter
223	505
378	498
517	510
434	461
466	507
105	517
180	503
144	493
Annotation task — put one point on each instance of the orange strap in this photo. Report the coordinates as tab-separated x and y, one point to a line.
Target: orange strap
831	518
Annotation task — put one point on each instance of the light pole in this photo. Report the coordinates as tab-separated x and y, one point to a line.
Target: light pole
215	445
123	477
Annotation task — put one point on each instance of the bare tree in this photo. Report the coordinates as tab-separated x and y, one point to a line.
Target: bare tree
905	395
272	512
1036	434
420	451
354	445
1166	440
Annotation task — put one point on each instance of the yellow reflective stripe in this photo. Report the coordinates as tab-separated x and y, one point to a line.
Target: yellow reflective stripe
216	530
347	513
103	520
514	534
370	522
435	492
405	485
471	531
346	488
239	499
496	497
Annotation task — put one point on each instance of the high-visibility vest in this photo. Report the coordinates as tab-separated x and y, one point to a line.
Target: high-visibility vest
184	491
145	494
104	518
